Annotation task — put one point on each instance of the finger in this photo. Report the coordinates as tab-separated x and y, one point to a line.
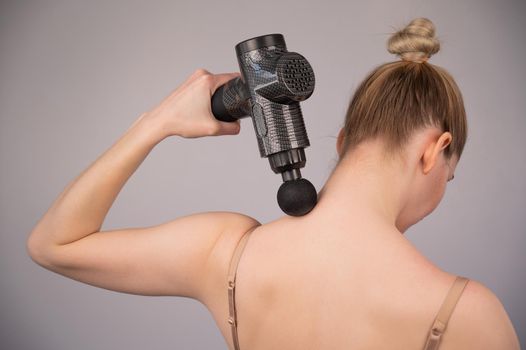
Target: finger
229	128
223	78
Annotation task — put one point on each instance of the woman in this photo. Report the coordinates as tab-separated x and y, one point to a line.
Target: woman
341	277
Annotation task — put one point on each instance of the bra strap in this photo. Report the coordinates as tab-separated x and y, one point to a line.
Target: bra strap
440	324
232	319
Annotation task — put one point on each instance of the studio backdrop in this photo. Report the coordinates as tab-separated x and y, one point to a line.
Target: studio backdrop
75	74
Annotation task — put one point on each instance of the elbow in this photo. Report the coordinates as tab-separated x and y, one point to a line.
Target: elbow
37	251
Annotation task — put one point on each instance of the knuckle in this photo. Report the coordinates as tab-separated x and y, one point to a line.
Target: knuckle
201	72
206	79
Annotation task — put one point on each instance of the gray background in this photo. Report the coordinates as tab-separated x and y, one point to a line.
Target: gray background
74	76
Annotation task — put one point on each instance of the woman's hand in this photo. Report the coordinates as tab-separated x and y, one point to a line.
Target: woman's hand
187	111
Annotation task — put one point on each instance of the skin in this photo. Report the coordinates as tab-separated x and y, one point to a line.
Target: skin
341	277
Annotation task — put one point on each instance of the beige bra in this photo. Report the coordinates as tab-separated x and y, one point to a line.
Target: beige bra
435	333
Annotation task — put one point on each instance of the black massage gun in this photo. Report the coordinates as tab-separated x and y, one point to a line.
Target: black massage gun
272	83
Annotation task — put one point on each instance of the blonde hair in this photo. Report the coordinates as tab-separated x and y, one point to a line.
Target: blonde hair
398	98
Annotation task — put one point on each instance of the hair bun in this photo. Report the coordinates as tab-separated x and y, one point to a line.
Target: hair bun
416	42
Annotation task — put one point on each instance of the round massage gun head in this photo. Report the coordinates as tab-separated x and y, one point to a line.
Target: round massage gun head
297	197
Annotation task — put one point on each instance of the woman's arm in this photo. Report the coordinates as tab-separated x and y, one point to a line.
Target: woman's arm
158	260
81	208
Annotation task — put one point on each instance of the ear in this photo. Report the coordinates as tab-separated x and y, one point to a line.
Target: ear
339	142
433	149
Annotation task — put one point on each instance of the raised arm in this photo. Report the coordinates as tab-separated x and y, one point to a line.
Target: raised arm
167	259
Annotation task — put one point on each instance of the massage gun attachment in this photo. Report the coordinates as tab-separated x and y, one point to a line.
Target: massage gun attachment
272	83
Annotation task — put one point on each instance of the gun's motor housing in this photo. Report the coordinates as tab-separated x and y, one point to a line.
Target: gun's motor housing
272	83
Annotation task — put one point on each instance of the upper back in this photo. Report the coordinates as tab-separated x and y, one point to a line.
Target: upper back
297	288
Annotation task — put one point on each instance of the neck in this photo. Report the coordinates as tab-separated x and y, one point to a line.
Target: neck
365	188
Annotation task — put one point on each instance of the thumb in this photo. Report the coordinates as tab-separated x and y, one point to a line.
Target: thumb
229	128
223	78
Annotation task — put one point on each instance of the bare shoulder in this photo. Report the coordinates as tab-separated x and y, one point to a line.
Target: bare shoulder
480	321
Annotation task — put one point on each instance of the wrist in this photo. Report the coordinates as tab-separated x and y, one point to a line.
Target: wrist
151	127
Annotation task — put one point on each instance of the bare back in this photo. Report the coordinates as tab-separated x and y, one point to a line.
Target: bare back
299	287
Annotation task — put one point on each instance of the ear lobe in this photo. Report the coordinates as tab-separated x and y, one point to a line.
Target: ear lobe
429	158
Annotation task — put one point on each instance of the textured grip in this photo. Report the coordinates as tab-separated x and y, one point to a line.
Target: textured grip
230	101
218	107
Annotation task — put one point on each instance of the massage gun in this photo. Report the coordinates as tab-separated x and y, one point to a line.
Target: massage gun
272	83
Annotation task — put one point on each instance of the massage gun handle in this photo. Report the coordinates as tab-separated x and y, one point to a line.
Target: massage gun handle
230	101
